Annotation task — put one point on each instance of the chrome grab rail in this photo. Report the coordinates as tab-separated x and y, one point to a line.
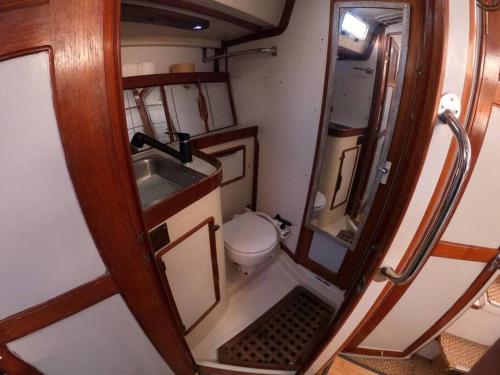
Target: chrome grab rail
446	206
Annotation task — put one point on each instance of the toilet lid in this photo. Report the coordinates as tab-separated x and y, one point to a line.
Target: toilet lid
249	233
320	200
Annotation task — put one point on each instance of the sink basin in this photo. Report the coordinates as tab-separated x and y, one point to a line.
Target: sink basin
159	178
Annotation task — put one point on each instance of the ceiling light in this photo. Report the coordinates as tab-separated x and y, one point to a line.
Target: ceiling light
354	26
197	27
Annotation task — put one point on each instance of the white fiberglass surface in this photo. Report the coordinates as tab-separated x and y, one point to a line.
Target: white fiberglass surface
47	248
251	296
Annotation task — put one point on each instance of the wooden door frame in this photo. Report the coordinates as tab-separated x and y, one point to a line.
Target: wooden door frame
82	41
420	94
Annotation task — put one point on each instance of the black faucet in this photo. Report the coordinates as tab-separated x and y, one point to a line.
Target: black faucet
184	154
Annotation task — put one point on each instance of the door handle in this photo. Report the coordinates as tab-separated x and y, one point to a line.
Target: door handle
448	110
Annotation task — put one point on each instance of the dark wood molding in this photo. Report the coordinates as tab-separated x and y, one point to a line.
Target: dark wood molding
149	80
288	251
161	211
418	107
452	250
207	140
231	151
201	9
340	178
267	33
255	177
341	131
55	309
215	269
11	364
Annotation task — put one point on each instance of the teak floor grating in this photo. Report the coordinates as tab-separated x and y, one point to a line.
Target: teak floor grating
493	292
283	337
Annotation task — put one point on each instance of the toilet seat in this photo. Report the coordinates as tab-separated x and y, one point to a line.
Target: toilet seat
319	201
249	234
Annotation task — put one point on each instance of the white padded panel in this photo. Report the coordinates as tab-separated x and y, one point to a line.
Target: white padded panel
438	286
477	220
232	165
103	339
46	246
220	104
190	276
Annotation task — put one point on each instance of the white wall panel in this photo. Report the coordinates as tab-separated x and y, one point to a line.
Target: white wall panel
283	95
438	286
477	219
103	339
46	246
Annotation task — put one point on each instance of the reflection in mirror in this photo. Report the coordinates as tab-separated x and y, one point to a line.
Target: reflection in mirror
159	111
370	48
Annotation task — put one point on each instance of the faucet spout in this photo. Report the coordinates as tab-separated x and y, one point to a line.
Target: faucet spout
184	154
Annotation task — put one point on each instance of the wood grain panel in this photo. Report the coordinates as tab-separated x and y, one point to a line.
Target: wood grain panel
149	80
464	252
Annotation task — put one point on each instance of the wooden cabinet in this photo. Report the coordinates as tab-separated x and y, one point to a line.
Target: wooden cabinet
189	272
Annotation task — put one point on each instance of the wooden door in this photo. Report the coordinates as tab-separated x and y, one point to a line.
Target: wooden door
71	48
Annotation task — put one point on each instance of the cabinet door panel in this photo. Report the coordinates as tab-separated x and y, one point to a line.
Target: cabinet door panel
188	267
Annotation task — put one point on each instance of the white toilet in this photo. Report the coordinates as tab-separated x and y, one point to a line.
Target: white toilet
249	240
319	201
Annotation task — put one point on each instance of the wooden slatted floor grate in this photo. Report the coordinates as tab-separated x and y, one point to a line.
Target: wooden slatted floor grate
283	337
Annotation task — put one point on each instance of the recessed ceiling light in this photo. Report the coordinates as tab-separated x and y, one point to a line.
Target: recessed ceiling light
197	27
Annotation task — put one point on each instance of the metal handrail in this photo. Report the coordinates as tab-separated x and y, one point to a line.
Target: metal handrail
445	208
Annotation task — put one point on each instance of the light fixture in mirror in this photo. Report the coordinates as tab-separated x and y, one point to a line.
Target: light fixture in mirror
353	26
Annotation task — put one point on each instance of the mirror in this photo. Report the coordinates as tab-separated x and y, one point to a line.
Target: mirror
370	46
194	108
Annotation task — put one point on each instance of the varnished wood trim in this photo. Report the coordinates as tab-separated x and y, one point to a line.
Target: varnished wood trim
255	177
139	102
56	309
231	151
10	364
198	8
8	5
464	252
182	199
338	182
283	24
149	80
213	139
215	270
19	38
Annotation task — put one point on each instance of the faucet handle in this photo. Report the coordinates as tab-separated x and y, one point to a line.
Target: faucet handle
182	137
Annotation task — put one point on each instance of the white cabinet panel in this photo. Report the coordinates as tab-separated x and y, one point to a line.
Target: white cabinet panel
103	339
220	104
46	246
476	220
191	272
438	286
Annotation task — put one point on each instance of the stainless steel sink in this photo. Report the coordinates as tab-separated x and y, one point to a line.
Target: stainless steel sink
158	178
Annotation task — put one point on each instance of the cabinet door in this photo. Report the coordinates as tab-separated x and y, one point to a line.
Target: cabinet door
188	269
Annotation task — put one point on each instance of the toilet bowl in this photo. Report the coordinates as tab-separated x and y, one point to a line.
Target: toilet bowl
319	201
249	240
